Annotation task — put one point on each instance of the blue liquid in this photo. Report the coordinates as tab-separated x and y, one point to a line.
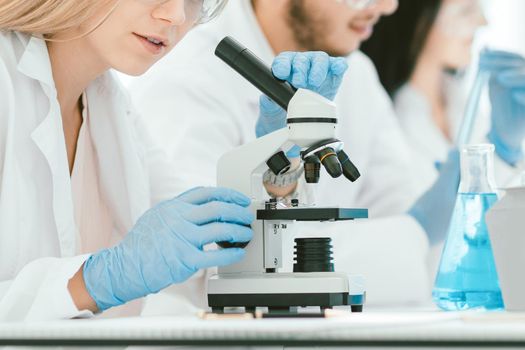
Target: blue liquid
467	275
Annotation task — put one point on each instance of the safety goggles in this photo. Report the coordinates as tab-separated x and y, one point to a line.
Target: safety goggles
358	4
197	11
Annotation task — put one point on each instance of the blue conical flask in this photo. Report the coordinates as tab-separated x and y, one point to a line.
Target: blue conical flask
467	275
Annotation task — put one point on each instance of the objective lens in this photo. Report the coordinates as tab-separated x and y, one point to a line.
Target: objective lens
329	159
312	170
350	171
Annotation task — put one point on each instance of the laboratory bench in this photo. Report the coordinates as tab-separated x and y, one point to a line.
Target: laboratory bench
367	330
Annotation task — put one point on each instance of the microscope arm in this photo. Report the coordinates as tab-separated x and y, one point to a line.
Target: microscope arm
242	169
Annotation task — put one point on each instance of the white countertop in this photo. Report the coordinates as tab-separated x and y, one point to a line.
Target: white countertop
379	328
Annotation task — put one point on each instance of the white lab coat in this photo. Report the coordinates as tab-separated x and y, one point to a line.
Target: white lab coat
37	228
199	109
427	142
429	145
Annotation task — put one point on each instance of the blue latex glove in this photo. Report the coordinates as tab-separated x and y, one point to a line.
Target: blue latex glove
433	210
166	245
507	96
314	71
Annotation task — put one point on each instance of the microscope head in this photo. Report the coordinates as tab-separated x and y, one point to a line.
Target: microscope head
312	125
311	120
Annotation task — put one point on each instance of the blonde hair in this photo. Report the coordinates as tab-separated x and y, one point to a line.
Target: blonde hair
45	18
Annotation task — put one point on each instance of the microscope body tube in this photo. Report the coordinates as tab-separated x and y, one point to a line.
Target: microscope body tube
244	62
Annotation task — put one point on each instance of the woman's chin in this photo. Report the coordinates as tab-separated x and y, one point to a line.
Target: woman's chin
134	71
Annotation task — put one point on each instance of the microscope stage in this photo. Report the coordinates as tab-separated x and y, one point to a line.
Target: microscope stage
312	214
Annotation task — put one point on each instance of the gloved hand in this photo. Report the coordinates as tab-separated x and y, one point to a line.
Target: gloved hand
507	96
314	71
433	210
166	245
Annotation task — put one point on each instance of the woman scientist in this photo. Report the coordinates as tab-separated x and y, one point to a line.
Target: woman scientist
418	52
75	162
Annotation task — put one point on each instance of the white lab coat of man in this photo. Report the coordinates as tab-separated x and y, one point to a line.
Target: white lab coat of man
199	109
39	240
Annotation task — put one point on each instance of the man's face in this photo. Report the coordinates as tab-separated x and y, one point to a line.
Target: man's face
335	26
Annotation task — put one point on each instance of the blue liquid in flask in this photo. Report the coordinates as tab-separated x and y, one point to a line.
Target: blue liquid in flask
467	275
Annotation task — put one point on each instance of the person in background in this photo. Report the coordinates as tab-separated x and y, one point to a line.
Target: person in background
199	109
90	216
421	53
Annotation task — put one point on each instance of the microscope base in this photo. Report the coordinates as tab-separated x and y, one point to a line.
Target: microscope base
284	301
285	290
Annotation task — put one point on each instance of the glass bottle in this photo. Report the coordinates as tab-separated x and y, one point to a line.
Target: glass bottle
467	275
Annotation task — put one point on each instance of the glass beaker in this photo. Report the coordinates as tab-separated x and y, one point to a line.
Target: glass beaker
467	275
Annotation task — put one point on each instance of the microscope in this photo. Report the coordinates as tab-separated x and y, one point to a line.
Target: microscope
256	281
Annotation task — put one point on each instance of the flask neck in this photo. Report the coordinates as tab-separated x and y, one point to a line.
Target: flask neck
477	169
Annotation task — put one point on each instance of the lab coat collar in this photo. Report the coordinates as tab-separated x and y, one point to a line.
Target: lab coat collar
123	177
48	136
35	62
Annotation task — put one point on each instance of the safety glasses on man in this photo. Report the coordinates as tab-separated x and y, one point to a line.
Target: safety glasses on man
197	11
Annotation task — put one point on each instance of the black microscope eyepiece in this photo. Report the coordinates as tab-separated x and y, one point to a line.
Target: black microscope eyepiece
253	69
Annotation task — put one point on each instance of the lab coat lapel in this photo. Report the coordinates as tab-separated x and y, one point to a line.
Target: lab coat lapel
122	173
49	138
35	63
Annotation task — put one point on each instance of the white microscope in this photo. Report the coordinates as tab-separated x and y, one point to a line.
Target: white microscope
256	281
